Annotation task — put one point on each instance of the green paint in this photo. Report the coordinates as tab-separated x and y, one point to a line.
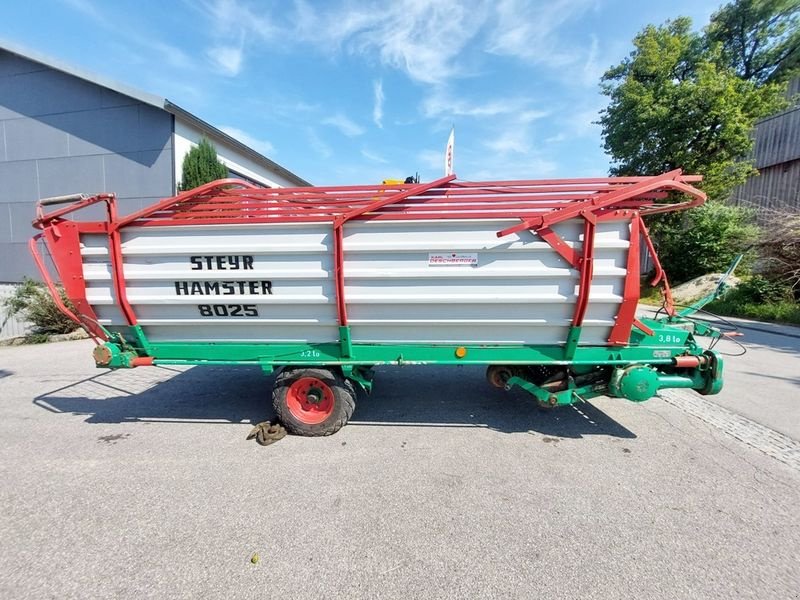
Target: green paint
635	371
345	341
571	395
390	354
360	375
635	382
573	337
714	377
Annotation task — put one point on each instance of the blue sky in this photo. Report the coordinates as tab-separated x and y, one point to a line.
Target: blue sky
356	92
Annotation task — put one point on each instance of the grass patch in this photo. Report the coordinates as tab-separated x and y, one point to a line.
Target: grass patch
761	299
781	311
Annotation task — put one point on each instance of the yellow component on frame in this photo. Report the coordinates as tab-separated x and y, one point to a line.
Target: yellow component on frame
461	352
393	181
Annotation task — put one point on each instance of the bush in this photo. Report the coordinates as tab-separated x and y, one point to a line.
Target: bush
32	302
703	240
759	298
760	290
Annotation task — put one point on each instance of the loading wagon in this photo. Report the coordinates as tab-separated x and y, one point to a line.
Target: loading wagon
536	279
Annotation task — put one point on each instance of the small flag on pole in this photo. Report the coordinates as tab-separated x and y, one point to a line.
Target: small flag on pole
448	154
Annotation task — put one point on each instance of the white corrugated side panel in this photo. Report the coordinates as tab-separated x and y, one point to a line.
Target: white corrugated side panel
519	292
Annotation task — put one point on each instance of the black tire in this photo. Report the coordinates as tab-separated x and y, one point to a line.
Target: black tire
342	398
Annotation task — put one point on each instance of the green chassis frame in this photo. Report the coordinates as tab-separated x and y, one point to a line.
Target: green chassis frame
637	371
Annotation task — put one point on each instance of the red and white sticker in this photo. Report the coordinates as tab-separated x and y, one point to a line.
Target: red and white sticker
453	259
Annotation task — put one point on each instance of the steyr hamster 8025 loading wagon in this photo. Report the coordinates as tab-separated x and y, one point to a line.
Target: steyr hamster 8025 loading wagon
538	280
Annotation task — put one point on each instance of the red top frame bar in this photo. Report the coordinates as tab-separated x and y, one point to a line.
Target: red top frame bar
537	203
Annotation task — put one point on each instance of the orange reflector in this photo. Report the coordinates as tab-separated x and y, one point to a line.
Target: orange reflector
461	352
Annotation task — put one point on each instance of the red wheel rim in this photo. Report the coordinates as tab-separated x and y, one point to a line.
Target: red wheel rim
310	400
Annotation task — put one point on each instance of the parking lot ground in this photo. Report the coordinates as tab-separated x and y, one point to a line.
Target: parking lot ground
140	484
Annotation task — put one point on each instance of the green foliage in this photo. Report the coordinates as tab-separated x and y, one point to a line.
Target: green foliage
675	103
759	298
703	240
32	302
760	290
782	312
760	39
200	165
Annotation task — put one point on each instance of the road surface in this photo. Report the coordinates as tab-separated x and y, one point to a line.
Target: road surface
141	484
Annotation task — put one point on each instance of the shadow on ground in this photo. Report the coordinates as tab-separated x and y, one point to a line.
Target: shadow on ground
403	396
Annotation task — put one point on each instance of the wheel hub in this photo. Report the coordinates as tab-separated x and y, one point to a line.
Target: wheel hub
310	400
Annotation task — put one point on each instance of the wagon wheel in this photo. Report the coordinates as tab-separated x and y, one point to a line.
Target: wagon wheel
313	401
498	375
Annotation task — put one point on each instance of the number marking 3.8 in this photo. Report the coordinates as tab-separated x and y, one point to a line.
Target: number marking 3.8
669	339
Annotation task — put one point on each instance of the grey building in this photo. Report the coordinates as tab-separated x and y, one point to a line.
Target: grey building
64	131
776	154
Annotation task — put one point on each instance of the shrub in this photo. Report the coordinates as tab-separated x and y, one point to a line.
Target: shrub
32	302
759	298
760	290
703	240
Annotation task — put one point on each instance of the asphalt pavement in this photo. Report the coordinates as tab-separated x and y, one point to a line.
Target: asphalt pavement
141	483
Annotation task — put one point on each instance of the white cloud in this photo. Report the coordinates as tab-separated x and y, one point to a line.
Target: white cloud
554	139
344	124
432	159
377	108
421	37
581	122
528	167
432	41
316	143
440	104
259	145
528	29
173	55
235	19
591	68
227	59
373	156
510	141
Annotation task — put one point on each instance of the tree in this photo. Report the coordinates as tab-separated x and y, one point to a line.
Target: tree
675	103
200	165
760	39
688	99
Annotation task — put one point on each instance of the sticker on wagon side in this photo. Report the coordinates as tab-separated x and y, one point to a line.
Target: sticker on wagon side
453	259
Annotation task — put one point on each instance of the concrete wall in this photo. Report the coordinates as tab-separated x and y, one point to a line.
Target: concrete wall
60	134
